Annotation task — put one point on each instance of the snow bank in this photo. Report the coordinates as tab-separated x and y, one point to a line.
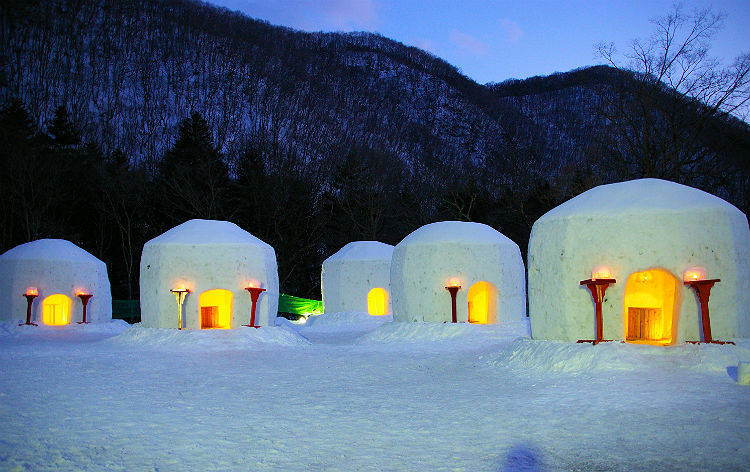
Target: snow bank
344	318
557	356
139	337
111	327
447	334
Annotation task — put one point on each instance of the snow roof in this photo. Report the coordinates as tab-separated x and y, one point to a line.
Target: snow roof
363	251
195	232
48	249
463	232
638	196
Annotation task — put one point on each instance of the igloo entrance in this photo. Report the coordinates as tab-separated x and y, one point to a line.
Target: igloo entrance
377	302
215	309
56	310
650	307
482	298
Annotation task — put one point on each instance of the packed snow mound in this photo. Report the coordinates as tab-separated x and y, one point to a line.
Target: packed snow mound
12	328
197	232
638	196
208	339
462	232
558	356
49	250
343	318
429	332
363	251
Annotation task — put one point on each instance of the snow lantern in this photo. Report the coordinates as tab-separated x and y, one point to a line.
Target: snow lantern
57	272
358	278
652	236
200	270
483	266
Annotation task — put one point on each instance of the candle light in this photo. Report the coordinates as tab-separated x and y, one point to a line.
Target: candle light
601	272
693	274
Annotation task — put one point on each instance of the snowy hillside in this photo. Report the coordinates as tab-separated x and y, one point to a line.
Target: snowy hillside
353	393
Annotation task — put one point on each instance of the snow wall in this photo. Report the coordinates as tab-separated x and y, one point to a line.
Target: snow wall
348	276
428	258
205	255
635	226
53	266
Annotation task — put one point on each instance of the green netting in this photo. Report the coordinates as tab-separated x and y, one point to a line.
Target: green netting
299	306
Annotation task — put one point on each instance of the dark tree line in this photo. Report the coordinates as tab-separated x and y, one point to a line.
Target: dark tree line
57	186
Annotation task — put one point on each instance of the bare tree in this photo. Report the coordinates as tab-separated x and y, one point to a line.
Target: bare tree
672	94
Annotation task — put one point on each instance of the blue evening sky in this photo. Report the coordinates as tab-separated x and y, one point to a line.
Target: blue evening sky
490	41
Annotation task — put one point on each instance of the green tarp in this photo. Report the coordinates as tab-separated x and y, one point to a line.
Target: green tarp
299	306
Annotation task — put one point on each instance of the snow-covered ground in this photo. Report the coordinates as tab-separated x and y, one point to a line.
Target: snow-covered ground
354	393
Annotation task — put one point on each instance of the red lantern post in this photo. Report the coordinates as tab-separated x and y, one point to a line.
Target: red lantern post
254	295
30	295
597	288
85	297
703	291
453	289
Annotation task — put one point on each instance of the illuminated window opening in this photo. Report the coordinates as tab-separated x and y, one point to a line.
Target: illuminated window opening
377	302
215	309
649	313
482	299
56	310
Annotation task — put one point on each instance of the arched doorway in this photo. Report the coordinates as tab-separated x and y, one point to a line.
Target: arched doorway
650	307
215	309
56	310
377	302
482	298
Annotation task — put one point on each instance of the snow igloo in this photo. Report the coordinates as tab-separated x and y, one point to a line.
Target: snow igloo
483	265
649	235
215	262
58	272
358	278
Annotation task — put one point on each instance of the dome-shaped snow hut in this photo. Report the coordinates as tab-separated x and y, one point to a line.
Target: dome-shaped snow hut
483	262
57	271
648	235
358	278
216	261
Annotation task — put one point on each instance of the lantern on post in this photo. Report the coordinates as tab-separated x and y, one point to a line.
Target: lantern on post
601	278
453	287
85	297
254	295
696	277
180	293
30	295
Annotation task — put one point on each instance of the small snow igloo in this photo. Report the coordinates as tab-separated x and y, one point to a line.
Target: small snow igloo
358	278
485	265
216	262
58	272
649	235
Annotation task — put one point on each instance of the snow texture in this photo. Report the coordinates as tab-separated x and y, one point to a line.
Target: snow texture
53	266
631	227
425	261
392	397
205	255
348	276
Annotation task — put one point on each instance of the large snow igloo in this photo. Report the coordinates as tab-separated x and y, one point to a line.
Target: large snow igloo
57	271
646	234
483	262
215	261
358	278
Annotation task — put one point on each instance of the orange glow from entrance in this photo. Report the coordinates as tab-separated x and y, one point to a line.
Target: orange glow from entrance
482	300
56	310
693	274
32	291
377	302
215	309
601	272
649	313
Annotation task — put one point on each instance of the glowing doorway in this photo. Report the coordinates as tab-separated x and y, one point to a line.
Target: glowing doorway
482	299
56	310
215	309
377	302
650	307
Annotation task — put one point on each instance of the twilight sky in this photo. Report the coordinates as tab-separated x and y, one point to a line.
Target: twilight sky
490	41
